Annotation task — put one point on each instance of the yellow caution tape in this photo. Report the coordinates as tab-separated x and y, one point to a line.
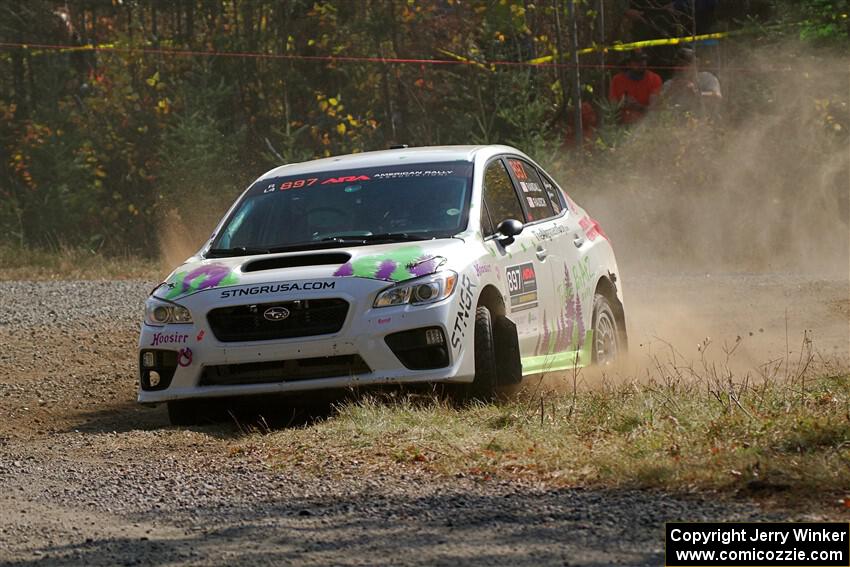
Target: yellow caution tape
638	45
37	49
466	59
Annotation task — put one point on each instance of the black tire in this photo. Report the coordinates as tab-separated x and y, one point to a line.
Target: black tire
185	412
486	376
508	362
608	336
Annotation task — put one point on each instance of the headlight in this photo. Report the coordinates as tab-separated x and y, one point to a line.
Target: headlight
428	289
159	313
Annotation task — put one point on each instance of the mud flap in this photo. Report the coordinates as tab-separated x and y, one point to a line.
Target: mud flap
508	364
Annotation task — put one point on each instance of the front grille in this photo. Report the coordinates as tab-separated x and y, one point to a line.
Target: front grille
305	318
284	370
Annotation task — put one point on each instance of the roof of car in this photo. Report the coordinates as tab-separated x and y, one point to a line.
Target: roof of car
427	154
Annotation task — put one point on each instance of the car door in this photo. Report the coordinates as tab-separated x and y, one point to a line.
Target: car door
563	319
527	278
572	279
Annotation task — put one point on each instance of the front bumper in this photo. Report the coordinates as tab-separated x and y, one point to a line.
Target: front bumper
190	348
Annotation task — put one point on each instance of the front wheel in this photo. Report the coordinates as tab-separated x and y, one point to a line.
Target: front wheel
483	386
608	337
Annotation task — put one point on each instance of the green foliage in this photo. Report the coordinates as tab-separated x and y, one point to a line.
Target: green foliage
525	113
826	21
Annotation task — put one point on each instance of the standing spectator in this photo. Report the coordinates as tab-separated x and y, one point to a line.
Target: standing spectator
635	88
690	88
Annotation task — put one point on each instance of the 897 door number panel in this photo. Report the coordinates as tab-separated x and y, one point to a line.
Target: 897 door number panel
522	286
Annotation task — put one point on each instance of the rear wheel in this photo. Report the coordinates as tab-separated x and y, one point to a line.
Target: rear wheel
608	341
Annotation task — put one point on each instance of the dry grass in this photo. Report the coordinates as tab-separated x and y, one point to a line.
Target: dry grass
75	264
787	437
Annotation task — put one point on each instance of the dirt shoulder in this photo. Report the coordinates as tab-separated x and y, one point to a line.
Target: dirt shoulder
88	477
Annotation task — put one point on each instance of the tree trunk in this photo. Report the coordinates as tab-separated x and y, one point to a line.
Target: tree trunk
401	110
562	73
571	4
190	21
154	29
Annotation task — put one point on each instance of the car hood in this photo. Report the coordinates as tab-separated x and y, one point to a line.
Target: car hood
385	262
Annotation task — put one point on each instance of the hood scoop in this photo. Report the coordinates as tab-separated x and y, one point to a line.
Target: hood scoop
297	261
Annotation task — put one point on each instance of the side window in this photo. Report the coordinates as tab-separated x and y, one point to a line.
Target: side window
553	193
487	228
536	200
499	194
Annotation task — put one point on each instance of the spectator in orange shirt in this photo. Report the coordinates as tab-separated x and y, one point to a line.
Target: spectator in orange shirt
635	88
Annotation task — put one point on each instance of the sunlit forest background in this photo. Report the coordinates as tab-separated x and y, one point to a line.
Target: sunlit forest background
187	101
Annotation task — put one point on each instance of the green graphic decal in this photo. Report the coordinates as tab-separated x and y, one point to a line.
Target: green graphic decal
397	265
204	277
561	360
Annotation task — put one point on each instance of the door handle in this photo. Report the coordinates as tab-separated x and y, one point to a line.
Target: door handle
578	240
541	253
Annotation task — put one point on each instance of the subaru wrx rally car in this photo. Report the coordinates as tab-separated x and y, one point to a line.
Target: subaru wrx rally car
463	264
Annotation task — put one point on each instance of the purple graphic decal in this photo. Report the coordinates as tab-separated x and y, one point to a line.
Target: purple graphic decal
538	349
385	270
425	265
578	316
544	348
214	274
345	270
202	277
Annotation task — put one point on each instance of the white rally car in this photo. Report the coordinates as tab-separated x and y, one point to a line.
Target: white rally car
463	264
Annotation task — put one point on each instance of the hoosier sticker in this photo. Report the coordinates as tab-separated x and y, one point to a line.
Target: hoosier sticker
522	286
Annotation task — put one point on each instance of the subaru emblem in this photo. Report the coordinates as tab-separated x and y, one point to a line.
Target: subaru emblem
276	313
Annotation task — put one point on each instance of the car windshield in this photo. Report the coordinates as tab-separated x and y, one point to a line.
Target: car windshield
393	203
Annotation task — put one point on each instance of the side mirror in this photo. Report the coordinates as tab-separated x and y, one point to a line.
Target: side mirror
506	231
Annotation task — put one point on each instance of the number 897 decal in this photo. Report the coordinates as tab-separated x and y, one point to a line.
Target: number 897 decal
522	286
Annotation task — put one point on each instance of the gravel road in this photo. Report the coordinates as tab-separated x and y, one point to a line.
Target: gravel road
89	478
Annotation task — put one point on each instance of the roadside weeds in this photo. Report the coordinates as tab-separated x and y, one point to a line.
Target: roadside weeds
783	435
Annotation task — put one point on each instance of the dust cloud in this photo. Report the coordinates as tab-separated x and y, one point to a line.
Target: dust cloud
177	241
732	228
189	221
763	186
